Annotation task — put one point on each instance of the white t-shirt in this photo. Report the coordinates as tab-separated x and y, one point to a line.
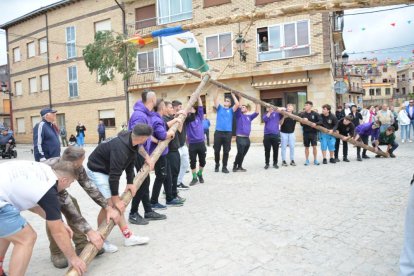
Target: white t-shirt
24	183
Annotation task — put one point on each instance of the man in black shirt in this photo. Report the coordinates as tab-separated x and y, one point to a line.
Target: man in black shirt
106	165
287	133
346	128
339	115
327	140
41	197
309	132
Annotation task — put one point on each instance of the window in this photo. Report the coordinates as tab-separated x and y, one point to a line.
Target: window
364	92
397	90
262	2
146	61
384	69
357	84
42	45
283	41
387	91
31	51
378	91
44	82
174	10
412	76
102	26
20	125
403	77
18	88
70	42
32	85
169	57
384	80
371	92
108	117
403	90
211	3
16	54
35	120
219	46
145	17
73	81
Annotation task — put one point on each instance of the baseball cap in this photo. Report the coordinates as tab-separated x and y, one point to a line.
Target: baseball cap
46	110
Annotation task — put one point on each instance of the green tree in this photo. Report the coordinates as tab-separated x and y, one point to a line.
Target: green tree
108	54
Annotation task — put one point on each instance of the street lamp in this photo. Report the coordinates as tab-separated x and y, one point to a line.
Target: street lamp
241	43
345	58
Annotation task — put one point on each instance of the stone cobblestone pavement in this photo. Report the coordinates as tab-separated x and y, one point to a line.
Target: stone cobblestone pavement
335	219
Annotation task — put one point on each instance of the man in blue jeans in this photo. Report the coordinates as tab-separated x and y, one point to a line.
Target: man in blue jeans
224	128
327	140
410	113
407	254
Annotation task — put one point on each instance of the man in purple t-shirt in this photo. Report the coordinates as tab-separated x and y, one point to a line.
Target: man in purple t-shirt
271	136
243	129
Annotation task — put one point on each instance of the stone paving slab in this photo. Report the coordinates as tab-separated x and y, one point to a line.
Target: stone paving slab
335	219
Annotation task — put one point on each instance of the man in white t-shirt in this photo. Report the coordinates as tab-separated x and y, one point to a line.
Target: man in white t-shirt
29	185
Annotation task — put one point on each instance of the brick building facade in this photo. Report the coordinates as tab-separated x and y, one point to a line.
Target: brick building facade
47	68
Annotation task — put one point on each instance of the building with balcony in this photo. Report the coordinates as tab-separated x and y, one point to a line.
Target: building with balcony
47	68
405	82
379	80
289	59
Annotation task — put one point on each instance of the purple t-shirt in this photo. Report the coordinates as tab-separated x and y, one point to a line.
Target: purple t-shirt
272	123
195	129
244	122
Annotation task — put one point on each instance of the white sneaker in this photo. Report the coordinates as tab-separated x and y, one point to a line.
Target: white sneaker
135	240
402	141
410	141
109	247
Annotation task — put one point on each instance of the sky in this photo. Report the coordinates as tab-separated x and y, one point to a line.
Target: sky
364	32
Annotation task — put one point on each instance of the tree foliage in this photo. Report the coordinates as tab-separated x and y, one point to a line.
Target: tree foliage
107	54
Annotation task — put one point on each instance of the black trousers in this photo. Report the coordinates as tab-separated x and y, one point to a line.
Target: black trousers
222	138
161	170
173	169
364	139
207	134
271	141
200	150
243	145
102	137
143	191
344	148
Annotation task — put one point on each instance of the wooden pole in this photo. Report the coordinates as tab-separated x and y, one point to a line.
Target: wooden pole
90	251
308	7
294	117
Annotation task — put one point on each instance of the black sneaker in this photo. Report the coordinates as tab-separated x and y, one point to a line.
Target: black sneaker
392	155
235	169
200	178
136	218
216	169
365	156
241	169
174	203
180	198
266	166
292	163
193	181
325	161
337	160
225	170
359	158
377	156
181	186
154	216
284	164
345	159
332	160
275	166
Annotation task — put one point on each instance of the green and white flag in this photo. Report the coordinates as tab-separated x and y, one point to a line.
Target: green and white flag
187	46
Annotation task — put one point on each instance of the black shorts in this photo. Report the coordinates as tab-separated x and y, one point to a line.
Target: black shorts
310	138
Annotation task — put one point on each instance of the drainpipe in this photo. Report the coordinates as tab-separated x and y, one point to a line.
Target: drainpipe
9	78
48	61
124	30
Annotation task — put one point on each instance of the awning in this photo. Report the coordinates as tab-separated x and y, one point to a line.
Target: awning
281	83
